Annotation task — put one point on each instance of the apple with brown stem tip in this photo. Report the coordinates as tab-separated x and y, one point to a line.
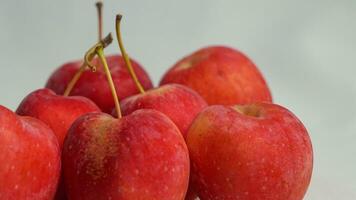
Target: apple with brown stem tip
140	156
181	104
73	79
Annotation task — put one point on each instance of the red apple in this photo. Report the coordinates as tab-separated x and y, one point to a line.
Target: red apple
94	85
30	158
178	102
58	112
181	104
221	75
140	156
256	151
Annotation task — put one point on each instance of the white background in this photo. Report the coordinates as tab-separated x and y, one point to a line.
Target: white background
306	50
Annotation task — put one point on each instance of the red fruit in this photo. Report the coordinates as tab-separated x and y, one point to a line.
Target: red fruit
94	85
30	158
221	75
251	152
139	156
58	112
179	103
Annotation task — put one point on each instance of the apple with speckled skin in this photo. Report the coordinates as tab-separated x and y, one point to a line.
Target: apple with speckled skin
181	104
221	75
139	156
254	151
30	158
57	111
94	85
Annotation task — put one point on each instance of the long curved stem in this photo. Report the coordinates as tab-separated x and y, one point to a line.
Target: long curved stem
126	57
100	53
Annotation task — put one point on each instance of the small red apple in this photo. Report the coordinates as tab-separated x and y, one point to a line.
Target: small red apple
221	75
94	85
58	112
181	104
139	156
178	102
256	151
30	158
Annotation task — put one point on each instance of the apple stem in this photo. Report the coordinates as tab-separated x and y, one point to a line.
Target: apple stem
125	56
74	80
100	52
88	57
99	8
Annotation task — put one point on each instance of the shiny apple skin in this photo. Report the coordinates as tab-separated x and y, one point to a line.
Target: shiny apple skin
142	156
58	112
180	103
263	154
30	158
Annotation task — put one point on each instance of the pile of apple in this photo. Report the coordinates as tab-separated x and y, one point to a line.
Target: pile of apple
209	131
